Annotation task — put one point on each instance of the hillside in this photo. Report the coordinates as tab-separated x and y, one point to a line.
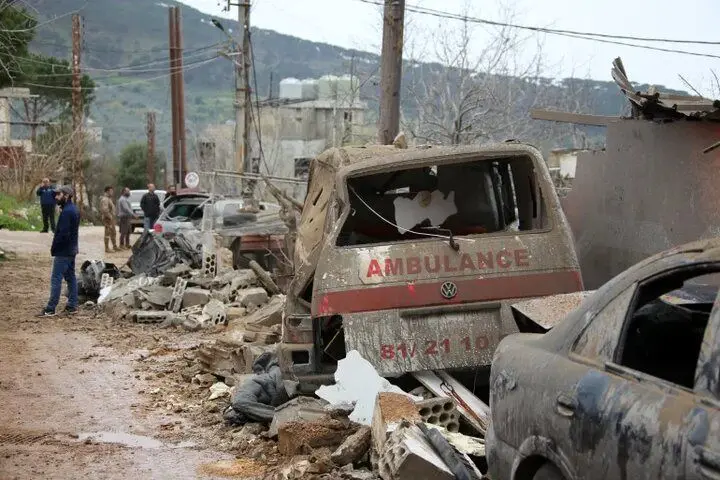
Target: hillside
132	35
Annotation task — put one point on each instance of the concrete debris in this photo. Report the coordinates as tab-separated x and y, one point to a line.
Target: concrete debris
300	409
353	448
215	310
357	381
409	455
462	443
264	278
270	314
391	409
195	296
234	312
252	296
218	390
440	411
297	437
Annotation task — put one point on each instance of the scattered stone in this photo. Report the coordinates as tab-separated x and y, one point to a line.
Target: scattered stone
296	437
157	295
242	467
296	410
353	448
195	296
270	314
220	360
252	296
218	390
204	379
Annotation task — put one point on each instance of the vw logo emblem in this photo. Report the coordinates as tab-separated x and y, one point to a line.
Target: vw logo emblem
448	290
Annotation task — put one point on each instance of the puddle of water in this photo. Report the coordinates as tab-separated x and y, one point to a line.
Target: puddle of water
130	440
127	439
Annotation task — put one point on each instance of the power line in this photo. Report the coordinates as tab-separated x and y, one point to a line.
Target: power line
54	19
142	80
570	33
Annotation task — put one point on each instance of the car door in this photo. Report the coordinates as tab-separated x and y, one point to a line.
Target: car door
703	433
625	416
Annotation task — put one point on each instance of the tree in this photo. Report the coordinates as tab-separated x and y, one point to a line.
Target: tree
51	79
17	28
133	172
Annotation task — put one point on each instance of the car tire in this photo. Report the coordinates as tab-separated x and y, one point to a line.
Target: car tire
548	472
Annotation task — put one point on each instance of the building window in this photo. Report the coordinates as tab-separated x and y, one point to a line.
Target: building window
348	116
255	165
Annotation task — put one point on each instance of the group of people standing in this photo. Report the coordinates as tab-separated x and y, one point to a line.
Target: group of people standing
149	204
64	247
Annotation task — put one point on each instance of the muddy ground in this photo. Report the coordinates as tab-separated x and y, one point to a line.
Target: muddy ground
87	397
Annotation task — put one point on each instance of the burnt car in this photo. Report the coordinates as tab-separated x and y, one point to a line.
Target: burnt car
627	386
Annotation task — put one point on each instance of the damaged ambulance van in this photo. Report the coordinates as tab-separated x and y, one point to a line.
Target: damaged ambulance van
413	256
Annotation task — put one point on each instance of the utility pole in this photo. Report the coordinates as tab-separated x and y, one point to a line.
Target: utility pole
391	70
150	147
243	99
181	94
77	115
173	98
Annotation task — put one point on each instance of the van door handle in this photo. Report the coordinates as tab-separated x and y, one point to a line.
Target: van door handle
709	462
565	405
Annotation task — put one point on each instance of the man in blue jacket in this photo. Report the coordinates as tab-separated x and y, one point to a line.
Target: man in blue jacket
64	249
46	192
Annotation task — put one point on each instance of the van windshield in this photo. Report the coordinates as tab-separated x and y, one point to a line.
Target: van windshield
469	198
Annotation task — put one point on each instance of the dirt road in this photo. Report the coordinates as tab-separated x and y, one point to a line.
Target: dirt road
86	397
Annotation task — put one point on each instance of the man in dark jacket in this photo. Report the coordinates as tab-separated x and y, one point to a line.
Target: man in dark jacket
150	205
64	249
46	192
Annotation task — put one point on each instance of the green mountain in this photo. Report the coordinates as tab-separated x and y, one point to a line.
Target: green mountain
125	51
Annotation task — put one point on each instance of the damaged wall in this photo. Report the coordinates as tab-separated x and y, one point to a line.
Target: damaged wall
652	189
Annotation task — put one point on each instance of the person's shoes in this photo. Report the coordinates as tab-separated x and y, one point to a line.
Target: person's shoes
107	250
116	249
46	313
70	311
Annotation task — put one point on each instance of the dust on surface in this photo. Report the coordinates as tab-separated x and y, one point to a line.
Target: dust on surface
396	406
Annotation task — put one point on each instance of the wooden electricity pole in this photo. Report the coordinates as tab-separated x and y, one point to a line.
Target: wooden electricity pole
177	89
181	94
243	99
150	147
391	70
173	98
77	116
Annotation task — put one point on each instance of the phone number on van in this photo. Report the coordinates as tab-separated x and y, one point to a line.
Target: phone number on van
433	347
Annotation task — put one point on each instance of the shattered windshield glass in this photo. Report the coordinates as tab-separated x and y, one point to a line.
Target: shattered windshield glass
459	199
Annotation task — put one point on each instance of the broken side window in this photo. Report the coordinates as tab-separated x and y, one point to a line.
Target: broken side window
469	198
665	325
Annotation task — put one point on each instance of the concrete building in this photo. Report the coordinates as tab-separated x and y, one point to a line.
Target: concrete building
12	150
308	117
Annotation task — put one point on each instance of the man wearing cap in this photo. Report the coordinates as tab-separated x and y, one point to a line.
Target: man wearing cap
107	210
64	249
46	192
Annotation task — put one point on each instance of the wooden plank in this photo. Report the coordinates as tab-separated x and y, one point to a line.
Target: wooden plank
567	117
433	381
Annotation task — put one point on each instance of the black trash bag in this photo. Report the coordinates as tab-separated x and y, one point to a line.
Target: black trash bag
152	255
256	399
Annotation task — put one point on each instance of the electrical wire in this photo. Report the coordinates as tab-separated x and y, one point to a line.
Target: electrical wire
41	24
132	82
458	16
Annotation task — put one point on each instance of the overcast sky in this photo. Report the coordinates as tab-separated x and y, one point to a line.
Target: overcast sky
353	24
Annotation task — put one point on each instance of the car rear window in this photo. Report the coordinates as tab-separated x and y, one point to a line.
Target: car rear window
179	211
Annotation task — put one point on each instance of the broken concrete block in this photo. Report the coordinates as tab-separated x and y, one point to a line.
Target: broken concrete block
390	410
408	455
234	313
298	409
440	411
223	294
264	278
235	279
270	314
195	296
215	310
171	274
251	296
221	361
353	448
295	437
157	295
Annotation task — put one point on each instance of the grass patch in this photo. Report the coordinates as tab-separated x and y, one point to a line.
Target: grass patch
21	216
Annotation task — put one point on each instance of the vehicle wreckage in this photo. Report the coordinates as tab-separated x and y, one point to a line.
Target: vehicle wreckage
413	257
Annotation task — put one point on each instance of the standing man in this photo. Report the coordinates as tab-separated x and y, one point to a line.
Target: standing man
150	204
125	213
64	249
107	209
46	192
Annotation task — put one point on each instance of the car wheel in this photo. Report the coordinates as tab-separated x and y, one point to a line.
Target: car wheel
548	472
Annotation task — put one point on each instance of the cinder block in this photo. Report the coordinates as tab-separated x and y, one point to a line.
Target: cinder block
407	455
251	296
390	410
440	411
195	296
